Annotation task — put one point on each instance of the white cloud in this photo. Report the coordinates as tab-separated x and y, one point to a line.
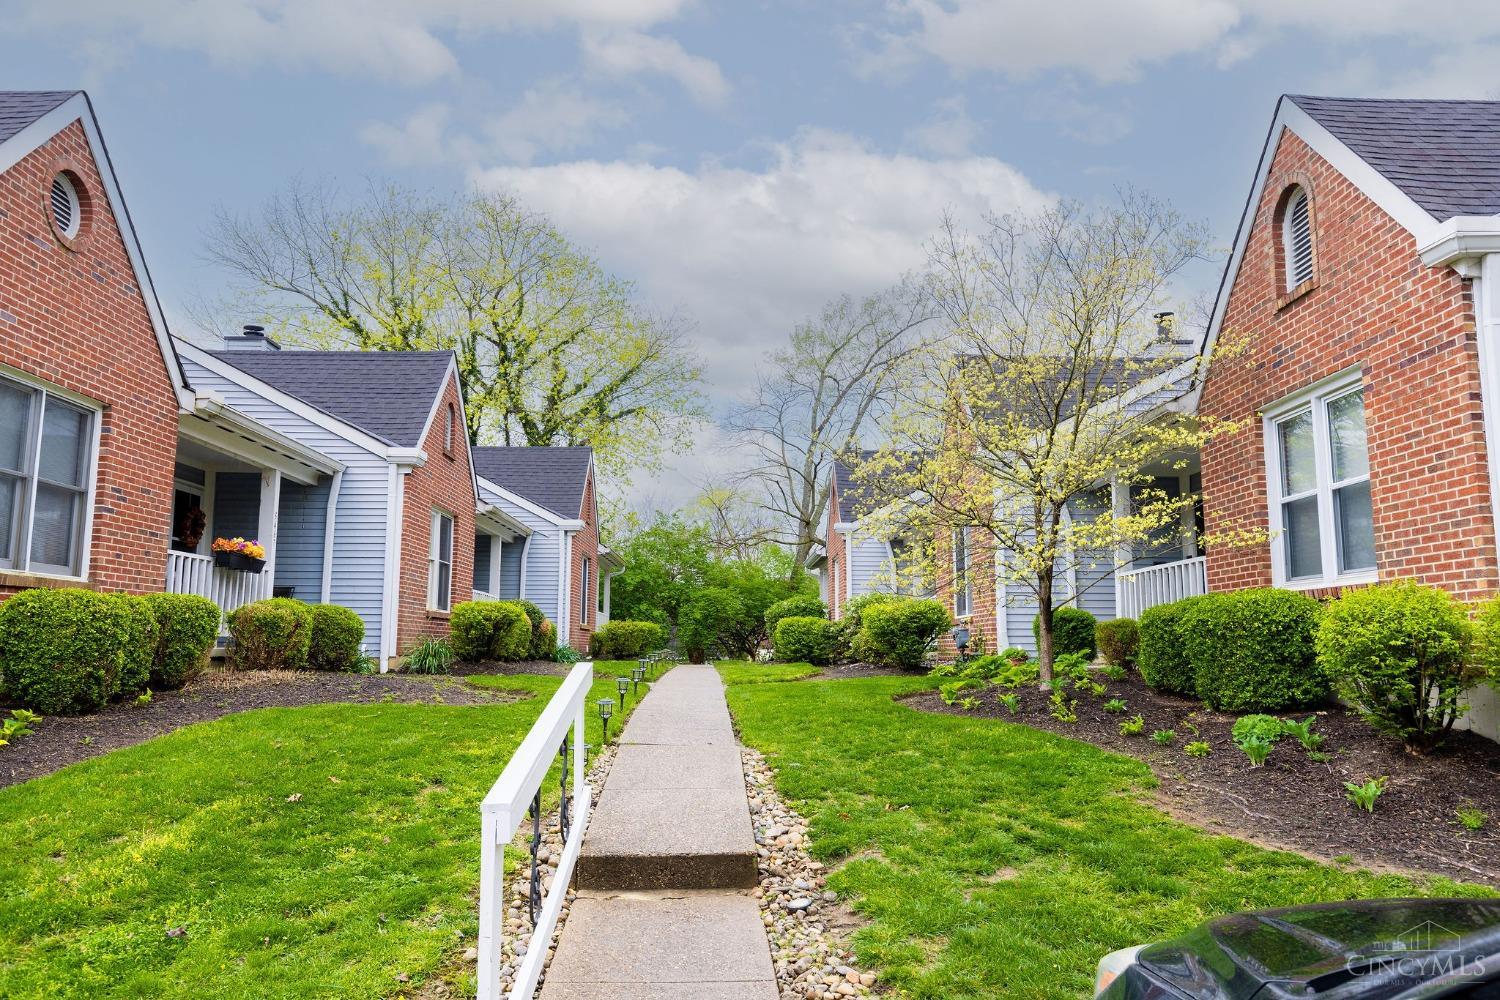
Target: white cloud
948	131
396	39
747	253
624	53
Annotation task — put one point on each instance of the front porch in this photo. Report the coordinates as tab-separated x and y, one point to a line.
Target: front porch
499	550
237	478
1172	567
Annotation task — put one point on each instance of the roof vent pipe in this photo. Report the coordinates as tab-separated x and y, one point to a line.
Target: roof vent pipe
252	337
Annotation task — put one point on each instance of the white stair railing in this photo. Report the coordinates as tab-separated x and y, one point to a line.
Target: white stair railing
1139	589
559	728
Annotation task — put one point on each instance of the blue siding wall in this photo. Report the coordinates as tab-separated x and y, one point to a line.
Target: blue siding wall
360	528
869	565
237	504
510	570
299	538
543	556
483	551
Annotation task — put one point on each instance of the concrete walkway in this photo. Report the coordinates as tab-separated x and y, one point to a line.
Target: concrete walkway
663	907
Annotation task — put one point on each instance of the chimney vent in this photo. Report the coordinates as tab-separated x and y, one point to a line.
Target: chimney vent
252	337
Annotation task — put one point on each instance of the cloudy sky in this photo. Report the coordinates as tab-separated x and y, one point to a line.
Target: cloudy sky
741	161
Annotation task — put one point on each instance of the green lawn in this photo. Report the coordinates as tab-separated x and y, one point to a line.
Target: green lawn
997	860
744	672
366	875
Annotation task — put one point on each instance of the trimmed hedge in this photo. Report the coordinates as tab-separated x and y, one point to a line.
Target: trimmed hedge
187	628
1161	657
805	639
1119	639
900	631
490	630
140	645
337	634
543	639
61	651
1072	632
626	640
801	606
274	634
1398	653
1253	650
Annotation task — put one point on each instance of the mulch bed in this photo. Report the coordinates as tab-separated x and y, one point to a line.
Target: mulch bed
847	671
547	668
1292	802
62	740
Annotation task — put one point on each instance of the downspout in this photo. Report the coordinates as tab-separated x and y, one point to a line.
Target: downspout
565	589
525	551
1486	287
328	528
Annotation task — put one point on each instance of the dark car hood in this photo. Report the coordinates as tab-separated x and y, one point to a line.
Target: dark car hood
1364	948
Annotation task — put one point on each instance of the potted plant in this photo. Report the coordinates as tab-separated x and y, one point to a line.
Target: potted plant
246	556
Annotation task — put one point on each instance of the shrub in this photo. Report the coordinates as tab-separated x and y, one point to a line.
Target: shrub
430	656
1252	650
61	650
337	634
1119	640
543	638
188	627
702	618
900	632
1397	652
512	641
271	635
805	639
854	610
801	606
491	630
140	645
1072	631
626	640
1160	656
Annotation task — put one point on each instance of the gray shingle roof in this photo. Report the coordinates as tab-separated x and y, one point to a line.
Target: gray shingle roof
855	498
387	394
19	108
553	478
1445	155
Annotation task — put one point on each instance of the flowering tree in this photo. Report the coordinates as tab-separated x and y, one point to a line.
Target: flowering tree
1045	393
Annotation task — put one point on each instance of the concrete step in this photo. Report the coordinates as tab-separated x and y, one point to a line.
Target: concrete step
656	946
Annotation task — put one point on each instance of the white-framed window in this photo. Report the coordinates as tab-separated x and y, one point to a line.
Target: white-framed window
583	591
1318	473
963	595
46	479
440	563
1297	239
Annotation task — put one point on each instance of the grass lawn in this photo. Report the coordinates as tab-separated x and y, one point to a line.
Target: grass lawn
744	672
997	860
306	852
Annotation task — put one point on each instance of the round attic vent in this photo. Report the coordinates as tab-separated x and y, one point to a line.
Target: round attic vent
66	211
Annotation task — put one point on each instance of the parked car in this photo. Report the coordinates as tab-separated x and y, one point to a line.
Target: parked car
1379	948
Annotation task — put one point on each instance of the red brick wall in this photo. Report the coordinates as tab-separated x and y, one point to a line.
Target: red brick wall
838	559
585	546
1411	329
982	593
446	483
73	316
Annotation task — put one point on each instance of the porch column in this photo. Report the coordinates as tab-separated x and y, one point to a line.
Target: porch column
604	614
1189	525
270	502
1119	499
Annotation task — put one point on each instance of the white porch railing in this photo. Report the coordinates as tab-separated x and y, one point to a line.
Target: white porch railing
501	814
1139	589
188	573
481	595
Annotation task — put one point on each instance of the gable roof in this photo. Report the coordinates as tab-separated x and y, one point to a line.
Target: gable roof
552	478
1445	155
386	394
854	498
19	108
28	119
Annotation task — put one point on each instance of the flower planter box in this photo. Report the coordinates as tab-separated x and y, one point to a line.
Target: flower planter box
238	561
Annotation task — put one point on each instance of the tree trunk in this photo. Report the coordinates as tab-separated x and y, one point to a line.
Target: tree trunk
1044	629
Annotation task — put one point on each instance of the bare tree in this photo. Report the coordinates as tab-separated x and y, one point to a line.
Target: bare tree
818	395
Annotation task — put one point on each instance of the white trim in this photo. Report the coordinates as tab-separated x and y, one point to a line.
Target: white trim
1373	184
435	558
525	553
388	604
1314	399
1002	604
968	588
564	589
329	519
1486	290
522	502
270	518
31	138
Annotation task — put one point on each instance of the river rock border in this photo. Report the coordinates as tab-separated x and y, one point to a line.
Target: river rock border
811	958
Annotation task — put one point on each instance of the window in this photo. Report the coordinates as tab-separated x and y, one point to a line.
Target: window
833	589
67	211
1296	239
962	595
583	592
1319	472
440	563
448	426
46	458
